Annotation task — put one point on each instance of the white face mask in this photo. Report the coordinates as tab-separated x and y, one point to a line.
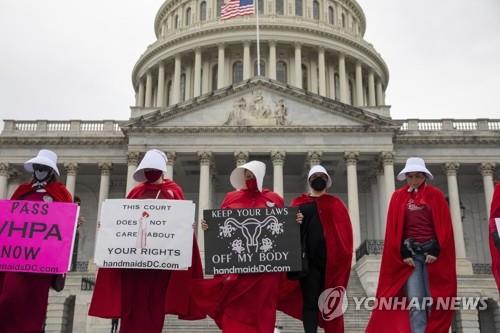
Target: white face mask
41	175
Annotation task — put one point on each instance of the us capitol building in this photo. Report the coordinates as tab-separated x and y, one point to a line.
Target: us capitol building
320	98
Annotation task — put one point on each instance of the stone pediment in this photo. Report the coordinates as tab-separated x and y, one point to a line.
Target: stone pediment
260	103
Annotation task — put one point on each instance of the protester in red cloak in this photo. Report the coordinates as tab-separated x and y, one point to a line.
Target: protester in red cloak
329	246
243	303
494	238
24	296
142	297
410	209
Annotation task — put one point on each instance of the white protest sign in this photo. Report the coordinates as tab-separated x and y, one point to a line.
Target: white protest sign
145	234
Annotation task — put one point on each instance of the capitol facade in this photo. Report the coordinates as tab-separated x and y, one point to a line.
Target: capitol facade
319	99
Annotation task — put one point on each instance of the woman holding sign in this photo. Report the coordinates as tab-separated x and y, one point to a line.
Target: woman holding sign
327	240
142	297
494	238
24	296
243	303
418	261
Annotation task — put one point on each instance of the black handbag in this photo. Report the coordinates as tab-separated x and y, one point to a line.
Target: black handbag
58	282
297	275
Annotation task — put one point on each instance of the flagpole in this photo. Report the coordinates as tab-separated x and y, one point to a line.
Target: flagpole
258	36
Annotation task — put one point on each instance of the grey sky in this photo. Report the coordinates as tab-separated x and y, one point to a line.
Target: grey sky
66	59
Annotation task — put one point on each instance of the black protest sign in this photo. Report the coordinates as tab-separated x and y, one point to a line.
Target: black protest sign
253	240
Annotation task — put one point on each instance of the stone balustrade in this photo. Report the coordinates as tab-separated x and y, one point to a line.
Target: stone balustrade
61	127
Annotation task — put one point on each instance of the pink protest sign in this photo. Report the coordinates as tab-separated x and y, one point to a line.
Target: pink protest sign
37	236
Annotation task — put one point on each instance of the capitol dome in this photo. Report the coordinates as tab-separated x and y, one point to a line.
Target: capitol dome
313	45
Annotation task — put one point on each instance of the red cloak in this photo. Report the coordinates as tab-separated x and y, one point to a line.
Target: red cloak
107	297
24	296
394	273
242	303
495	252
337	230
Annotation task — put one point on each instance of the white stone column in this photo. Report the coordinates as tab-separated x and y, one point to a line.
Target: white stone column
278	159
71	169
105	169
132	161
246	60
454	202
170	164
343	79
359	85
241	157
371	89
382	200
197	72
322	71
313	75
149	90
188	93
160	99
351	159
140	97
272	60
487	171
4	180
205	77
389	183
204	195
176	85
380	93
298	65
221	79
496	314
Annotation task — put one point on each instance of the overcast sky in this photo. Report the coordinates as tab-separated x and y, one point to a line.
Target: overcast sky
66	59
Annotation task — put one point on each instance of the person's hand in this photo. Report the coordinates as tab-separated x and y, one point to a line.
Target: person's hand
204	225
430	259
300	218
409	262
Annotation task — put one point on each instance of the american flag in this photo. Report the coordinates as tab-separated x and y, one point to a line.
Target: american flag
233	8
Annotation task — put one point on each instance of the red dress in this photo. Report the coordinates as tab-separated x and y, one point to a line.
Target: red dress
337	230
142	297
495	252
242	303
394	273
24	296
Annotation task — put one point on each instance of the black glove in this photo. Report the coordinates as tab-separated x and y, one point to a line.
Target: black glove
496	239
405	250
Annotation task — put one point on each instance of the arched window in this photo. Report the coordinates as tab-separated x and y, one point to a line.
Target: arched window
343	21
237	72
316	9
281	73
337	87
176	22
215	70
304	77
219	6
351	93
261	6
298	7
331	15
203	11
262	68
188	16
169	91
183	87
280	10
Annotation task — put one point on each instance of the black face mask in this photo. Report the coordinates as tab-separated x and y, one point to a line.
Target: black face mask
318	184
41	172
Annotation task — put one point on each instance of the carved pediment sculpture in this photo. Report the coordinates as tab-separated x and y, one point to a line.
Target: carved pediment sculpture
257	112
